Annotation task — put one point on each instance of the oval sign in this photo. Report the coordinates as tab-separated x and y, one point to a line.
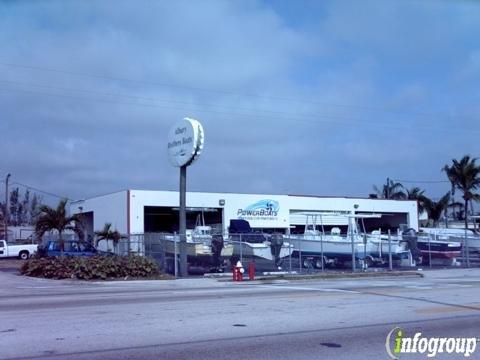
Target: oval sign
200	139
185	142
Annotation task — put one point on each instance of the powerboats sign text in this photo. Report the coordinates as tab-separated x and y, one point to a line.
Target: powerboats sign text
266	209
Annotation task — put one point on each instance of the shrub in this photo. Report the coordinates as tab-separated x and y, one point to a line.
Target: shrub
87	268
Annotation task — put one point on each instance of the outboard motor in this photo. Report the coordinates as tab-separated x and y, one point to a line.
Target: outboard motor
217	246
410	237
276	243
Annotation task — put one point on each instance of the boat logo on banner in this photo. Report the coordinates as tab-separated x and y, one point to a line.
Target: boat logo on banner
266	209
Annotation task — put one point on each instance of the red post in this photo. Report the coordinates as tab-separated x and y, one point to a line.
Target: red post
251	270
235	273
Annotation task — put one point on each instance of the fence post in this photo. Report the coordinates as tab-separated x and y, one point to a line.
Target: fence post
241	250
467	252
175	253
429	249
289	252
321	250
300	255
390	265
162	251
354	258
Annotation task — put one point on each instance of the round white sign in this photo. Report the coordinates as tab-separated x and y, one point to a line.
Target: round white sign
200	139
185	142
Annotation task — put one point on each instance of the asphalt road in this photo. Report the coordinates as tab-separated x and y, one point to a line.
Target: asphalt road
207	319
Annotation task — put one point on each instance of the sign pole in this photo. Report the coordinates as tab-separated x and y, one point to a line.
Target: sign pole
183	221
185	144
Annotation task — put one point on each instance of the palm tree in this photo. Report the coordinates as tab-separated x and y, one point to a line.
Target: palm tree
57	219
108	234
391	190
456	215
435	209
417	194
464	175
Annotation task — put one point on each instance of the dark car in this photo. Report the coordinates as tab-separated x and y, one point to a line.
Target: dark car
70	248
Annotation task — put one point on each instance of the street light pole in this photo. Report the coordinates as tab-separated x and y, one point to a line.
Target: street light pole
5	220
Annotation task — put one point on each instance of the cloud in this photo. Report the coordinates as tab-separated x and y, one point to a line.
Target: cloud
299	98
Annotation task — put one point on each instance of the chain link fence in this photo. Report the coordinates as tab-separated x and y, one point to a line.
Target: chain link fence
218	252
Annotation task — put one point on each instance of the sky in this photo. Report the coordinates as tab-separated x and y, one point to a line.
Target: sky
322	98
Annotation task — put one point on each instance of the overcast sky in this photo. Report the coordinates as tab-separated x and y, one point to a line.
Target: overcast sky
300	97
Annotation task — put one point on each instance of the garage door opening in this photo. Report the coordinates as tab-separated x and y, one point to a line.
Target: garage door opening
388	221
165	219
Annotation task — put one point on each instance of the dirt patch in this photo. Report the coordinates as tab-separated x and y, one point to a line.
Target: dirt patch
10	264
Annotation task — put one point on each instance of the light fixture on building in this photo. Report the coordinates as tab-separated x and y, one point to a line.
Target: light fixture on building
355	206
221	202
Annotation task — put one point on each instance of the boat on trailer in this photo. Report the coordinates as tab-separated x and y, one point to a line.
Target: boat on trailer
466	237
439	251
318	248
248	243
203	249
335	248
382	245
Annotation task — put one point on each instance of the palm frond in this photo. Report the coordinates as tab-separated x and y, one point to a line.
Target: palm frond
435	209
56	219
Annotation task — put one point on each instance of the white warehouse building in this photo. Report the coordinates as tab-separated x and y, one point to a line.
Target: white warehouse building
142	211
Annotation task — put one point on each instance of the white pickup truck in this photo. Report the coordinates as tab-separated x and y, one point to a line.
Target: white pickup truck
20	251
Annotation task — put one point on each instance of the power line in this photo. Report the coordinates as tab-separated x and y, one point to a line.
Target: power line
133	97
325	118
41	191
422	181
226	92
150	99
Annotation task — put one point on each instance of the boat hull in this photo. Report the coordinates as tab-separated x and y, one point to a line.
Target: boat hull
258	250
193	249
340	248
380	249
473	243
439	249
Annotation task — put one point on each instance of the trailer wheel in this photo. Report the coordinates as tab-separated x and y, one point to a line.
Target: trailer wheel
369	261
307	263
318	263
24	255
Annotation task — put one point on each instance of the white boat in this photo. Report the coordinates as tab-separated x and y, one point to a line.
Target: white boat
333	247
198	243
423	248
260	250
456	235
195	246
248	243
382	245
201	247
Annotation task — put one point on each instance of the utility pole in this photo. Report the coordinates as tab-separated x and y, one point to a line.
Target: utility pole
6	216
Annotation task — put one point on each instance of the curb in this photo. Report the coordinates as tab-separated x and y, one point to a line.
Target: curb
330	276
